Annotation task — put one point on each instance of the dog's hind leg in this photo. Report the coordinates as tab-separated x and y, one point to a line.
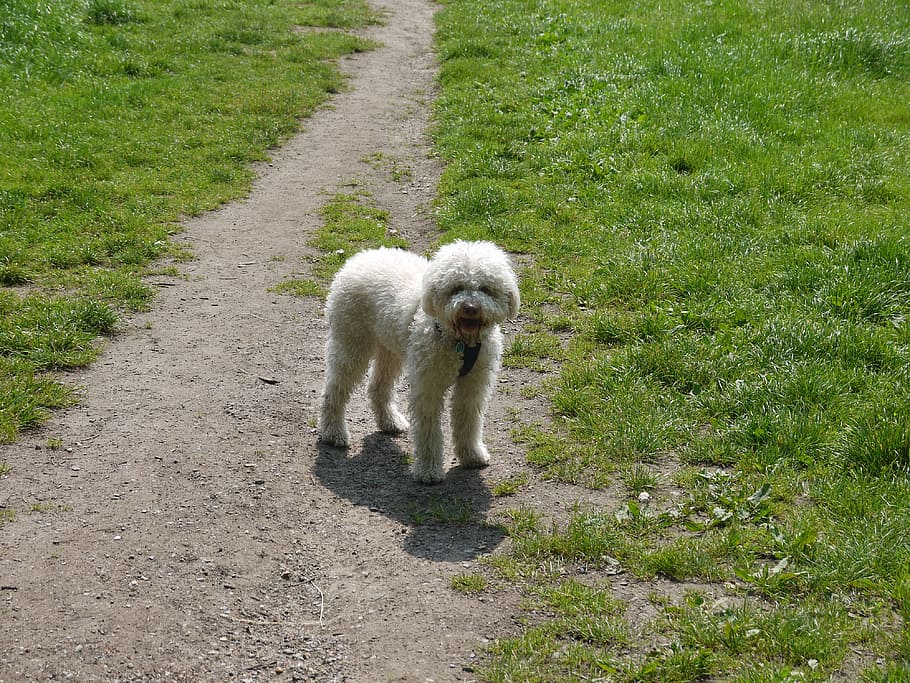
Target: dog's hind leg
386	368
346	364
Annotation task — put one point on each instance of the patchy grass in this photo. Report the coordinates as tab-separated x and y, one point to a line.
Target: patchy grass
510	486
350	223
397	169
118	118
301	287
434	509
715	199
469	583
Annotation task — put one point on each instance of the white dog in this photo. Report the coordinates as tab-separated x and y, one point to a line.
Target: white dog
441	319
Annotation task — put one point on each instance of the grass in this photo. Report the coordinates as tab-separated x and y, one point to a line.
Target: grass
714	197
350	223
510	486
397	169
469	583
433	509
713	201
117	119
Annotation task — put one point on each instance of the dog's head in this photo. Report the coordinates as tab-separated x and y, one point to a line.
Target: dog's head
468	287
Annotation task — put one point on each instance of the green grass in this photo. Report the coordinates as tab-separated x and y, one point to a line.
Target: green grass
301	287
350	223
397	169
510	486
714	196
118	118
433	509
469	583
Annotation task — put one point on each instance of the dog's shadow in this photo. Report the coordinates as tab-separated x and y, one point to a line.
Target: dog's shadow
446	522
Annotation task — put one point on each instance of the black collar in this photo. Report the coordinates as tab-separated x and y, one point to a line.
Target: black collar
467	353
468	356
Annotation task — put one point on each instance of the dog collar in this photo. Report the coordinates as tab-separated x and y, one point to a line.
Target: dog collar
468	354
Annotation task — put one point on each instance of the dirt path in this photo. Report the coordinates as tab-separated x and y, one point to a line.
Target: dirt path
190	528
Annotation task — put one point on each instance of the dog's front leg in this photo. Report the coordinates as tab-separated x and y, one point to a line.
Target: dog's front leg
469	403
427	401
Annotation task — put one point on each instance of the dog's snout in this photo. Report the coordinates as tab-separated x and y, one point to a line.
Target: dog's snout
470	309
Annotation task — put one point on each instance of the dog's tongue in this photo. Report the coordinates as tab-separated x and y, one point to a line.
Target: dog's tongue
469	327
469	324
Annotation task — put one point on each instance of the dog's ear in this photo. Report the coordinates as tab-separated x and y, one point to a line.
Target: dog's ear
427	299
514	298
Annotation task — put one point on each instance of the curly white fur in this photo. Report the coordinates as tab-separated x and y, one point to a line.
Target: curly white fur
397	309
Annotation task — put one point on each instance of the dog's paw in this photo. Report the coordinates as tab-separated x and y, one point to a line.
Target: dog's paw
392	422
427	474
477	456
334	436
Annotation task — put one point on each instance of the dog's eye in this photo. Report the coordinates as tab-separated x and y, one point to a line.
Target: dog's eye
456	289
487	290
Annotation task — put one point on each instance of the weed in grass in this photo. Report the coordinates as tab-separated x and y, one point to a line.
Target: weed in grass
442	511
469	583
399	172
510	486
300	287
639	477
540	655
774	579
110	12
674	664
49	507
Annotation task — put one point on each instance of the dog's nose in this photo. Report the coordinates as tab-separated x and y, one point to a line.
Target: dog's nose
470	309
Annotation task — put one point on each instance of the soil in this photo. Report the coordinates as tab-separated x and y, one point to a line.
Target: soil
182	523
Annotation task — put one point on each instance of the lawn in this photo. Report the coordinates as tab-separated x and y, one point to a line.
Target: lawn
117	119
714	197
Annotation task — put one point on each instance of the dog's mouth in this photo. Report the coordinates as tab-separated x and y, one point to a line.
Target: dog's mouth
469	327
